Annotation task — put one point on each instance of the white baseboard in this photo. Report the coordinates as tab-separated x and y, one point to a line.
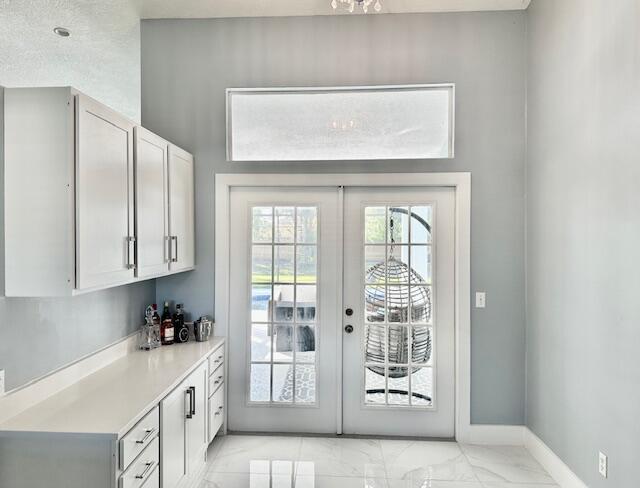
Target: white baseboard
18	400
497	435
558	470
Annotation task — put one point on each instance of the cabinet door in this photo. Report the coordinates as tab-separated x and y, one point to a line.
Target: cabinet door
104	196
152	206
173	413
197	424
181	209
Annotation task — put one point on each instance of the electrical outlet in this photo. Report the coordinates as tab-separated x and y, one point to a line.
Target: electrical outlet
481	299
1	382
603	464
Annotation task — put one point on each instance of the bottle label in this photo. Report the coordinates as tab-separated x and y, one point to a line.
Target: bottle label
168	333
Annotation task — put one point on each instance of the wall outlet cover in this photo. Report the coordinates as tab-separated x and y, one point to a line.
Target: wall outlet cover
603	464
481	299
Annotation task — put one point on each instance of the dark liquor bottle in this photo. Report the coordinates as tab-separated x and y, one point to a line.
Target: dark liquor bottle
181	330
166	326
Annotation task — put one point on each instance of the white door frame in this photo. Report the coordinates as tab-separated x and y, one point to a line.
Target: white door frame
460	182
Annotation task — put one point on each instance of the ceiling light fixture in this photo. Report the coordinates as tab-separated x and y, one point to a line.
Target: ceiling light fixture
350	5
62	32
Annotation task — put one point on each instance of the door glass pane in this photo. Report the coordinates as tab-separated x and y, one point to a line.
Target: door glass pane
306	264
421	224
283	343
284	224
305	343
375	306
398	292
284	300
307	225
421	344
374	264
283	266
421	264
374	225
260	303
260	388
305	383
398	344
422	387
283	303
306	303
375	343
398	224
374	379
261	264
283	383
262	224
399	386
261	342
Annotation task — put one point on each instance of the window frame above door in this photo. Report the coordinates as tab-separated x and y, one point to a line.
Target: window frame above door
460	182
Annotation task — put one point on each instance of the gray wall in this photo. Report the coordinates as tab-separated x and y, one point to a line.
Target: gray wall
102	58
187	64
583	174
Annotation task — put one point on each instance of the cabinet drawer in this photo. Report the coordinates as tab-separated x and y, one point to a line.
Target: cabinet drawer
216	412
153	481
216	359
143	470
215	380
134	442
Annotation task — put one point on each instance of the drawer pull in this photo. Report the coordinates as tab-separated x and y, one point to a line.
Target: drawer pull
219	411
218	380
147	470
149	433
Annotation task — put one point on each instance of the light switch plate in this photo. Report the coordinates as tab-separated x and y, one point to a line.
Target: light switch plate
603	464
481	299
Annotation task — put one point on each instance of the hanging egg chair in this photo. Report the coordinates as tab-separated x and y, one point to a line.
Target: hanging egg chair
400	303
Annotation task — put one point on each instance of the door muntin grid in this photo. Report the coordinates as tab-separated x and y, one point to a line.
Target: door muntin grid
283	325
398	291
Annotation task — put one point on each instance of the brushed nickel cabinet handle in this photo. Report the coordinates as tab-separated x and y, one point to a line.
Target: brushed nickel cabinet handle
147	470
149	433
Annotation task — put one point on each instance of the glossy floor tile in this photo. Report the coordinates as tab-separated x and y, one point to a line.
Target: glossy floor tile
244	461
505	464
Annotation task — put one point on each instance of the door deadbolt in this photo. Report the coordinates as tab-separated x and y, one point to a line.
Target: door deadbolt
349	312
348	329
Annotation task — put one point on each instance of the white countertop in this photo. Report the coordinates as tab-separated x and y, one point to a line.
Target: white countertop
110	401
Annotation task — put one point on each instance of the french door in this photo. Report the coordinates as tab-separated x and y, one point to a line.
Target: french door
398	322
365	271
283	310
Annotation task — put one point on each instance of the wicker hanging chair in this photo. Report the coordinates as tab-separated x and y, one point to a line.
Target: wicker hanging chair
400	303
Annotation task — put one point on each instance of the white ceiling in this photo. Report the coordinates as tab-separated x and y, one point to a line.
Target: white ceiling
164	9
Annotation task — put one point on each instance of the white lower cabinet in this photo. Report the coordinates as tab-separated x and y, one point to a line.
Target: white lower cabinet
183	430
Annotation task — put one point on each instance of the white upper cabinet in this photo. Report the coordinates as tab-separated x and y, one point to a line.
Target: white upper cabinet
83	210
104	196
181	209
152	204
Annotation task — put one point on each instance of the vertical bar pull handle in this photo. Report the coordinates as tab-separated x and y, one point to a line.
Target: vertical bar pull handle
174	251
190	392
131	252
167	249
193	400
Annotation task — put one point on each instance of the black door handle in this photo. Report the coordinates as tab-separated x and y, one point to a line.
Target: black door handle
193	400
348	329
190	393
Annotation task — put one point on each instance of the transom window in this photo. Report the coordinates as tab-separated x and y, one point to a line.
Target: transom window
398	305
284	322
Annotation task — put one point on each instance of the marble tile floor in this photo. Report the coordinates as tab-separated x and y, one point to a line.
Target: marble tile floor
248	461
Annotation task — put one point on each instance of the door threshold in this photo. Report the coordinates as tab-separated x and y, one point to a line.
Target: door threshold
342	436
